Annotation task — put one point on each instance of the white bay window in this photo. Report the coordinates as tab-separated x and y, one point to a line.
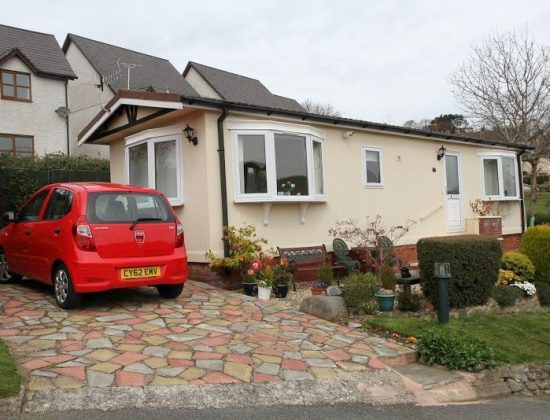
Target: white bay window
275	165
155	162
500	177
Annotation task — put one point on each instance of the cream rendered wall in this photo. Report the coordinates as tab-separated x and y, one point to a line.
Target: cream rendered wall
197	185
36	118
411	190
200	85
85	101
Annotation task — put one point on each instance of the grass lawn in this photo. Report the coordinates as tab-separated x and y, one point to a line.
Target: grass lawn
517	338
9	378
543	202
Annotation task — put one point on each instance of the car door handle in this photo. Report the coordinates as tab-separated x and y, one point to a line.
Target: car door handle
28	232
57	230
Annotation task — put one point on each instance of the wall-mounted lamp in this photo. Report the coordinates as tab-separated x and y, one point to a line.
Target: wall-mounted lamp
441	153
189	133
348	134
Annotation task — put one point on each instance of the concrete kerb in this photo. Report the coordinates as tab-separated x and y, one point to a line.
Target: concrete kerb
11	407
380	387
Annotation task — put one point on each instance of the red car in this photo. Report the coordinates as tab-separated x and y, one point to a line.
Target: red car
91	237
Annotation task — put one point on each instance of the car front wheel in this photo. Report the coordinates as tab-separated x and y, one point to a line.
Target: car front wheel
5	275
170	291
65	296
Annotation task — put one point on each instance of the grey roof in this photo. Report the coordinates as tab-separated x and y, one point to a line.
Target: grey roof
41	51
241	89
150	73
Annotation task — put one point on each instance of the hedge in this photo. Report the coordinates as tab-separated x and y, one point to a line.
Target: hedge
475	261
21	176
536	245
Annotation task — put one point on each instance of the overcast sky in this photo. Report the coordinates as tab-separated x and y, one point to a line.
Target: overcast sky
383	61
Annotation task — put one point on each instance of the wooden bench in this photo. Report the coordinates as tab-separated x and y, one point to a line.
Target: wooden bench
305	262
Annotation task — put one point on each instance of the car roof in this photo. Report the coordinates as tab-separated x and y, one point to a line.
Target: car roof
103	187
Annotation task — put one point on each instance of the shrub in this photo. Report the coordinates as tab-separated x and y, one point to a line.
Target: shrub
506	277
358	292
325	274
536	245
442	346
506	295
409	302
520	264
387	277
542	219
544	188
543	292
475	261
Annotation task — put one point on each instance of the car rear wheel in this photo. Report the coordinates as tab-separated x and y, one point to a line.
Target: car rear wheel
5	275
65	296
170	291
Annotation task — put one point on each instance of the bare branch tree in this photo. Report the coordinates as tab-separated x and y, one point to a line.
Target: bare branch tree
319	108
505	85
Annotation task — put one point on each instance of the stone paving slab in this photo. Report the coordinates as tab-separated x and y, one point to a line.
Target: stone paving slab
133	338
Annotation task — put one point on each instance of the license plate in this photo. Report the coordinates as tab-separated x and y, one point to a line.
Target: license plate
139	273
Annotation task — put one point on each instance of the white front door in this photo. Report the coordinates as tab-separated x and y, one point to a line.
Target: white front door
453	193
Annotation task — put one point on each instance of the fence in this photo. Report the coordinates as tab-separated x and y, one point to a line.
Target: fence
17	184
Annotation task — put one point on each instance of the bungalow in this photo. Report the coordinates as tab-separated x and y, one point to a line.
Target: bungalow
244	157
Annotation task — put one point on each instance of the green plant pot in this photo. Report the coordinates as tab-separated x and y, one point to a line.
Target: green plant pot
385	302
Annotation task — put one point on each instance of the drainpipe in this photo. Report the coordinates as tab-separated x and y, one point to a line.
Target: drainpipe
67	118
520	173
223	178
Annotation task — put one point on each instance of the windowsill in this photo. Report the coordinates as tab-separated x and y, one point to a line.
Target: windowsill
8	98
176	203
501	198
379	186
280	199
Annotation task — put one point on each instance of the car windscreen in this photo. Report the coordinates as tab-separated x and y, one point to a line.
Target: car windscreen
127	207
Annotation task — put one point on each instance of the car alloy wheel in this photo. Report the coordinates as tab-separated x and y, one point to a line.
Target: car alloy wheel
61	285
5	275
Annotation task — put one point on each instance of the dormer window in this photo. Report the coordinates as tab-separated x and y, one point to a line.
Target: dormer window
15	85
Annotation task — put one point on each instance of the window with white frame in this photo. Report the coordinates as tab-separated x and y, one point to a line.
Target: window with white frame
500	177
156	163
273	165
372	166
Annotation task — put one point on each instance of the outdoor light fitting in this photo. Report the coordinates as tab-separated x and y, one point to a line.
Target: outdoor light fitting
441	153
189	133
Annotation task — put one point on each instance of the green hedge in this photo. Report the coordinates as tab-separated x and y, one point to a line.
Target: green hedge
536	245
474	259
21	176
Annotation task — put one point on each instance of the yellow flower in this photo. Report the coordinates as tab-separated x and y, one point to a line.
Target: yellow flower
411	340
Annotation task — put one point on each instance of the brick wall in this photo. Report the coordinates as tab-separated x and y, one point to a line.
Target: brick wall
511	242
406	253
202	272
491	226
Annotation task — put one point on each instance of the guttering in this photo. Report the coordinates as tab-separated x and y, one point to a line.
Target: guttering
67	118
223	177
304	116
521	194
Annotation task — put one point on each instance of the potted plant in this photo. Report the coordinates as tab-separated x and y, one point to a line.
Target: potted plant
265	282
386	295
326	279
282	278
244	257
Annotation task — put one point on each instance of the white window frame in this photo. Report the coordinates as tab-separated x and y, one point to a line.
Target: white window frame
498	157
364	150
268	130
151	137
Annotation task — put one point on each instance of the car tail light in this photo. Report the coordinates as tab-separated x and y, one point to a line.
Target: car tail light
179	234
83	235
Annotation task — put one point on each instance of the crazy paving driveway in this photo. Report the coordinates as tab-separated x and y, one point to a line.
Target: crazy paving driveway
207	336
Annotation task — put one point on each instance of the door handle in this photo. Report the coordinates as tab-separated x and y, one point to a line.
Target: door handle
28	232
57	230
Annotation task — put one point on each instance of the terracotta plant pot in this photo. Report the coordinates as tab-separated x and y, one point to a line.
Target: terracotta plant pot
318	292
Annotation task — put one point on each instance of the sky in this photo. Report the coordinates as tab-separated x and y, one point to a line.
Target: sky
383	61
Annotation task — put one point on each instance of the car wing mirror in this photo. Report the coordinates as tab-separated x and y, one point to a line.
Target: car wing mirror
9	216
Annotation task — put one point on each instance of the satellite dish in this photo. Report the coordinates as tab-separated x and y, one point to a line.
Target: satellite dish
63	111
